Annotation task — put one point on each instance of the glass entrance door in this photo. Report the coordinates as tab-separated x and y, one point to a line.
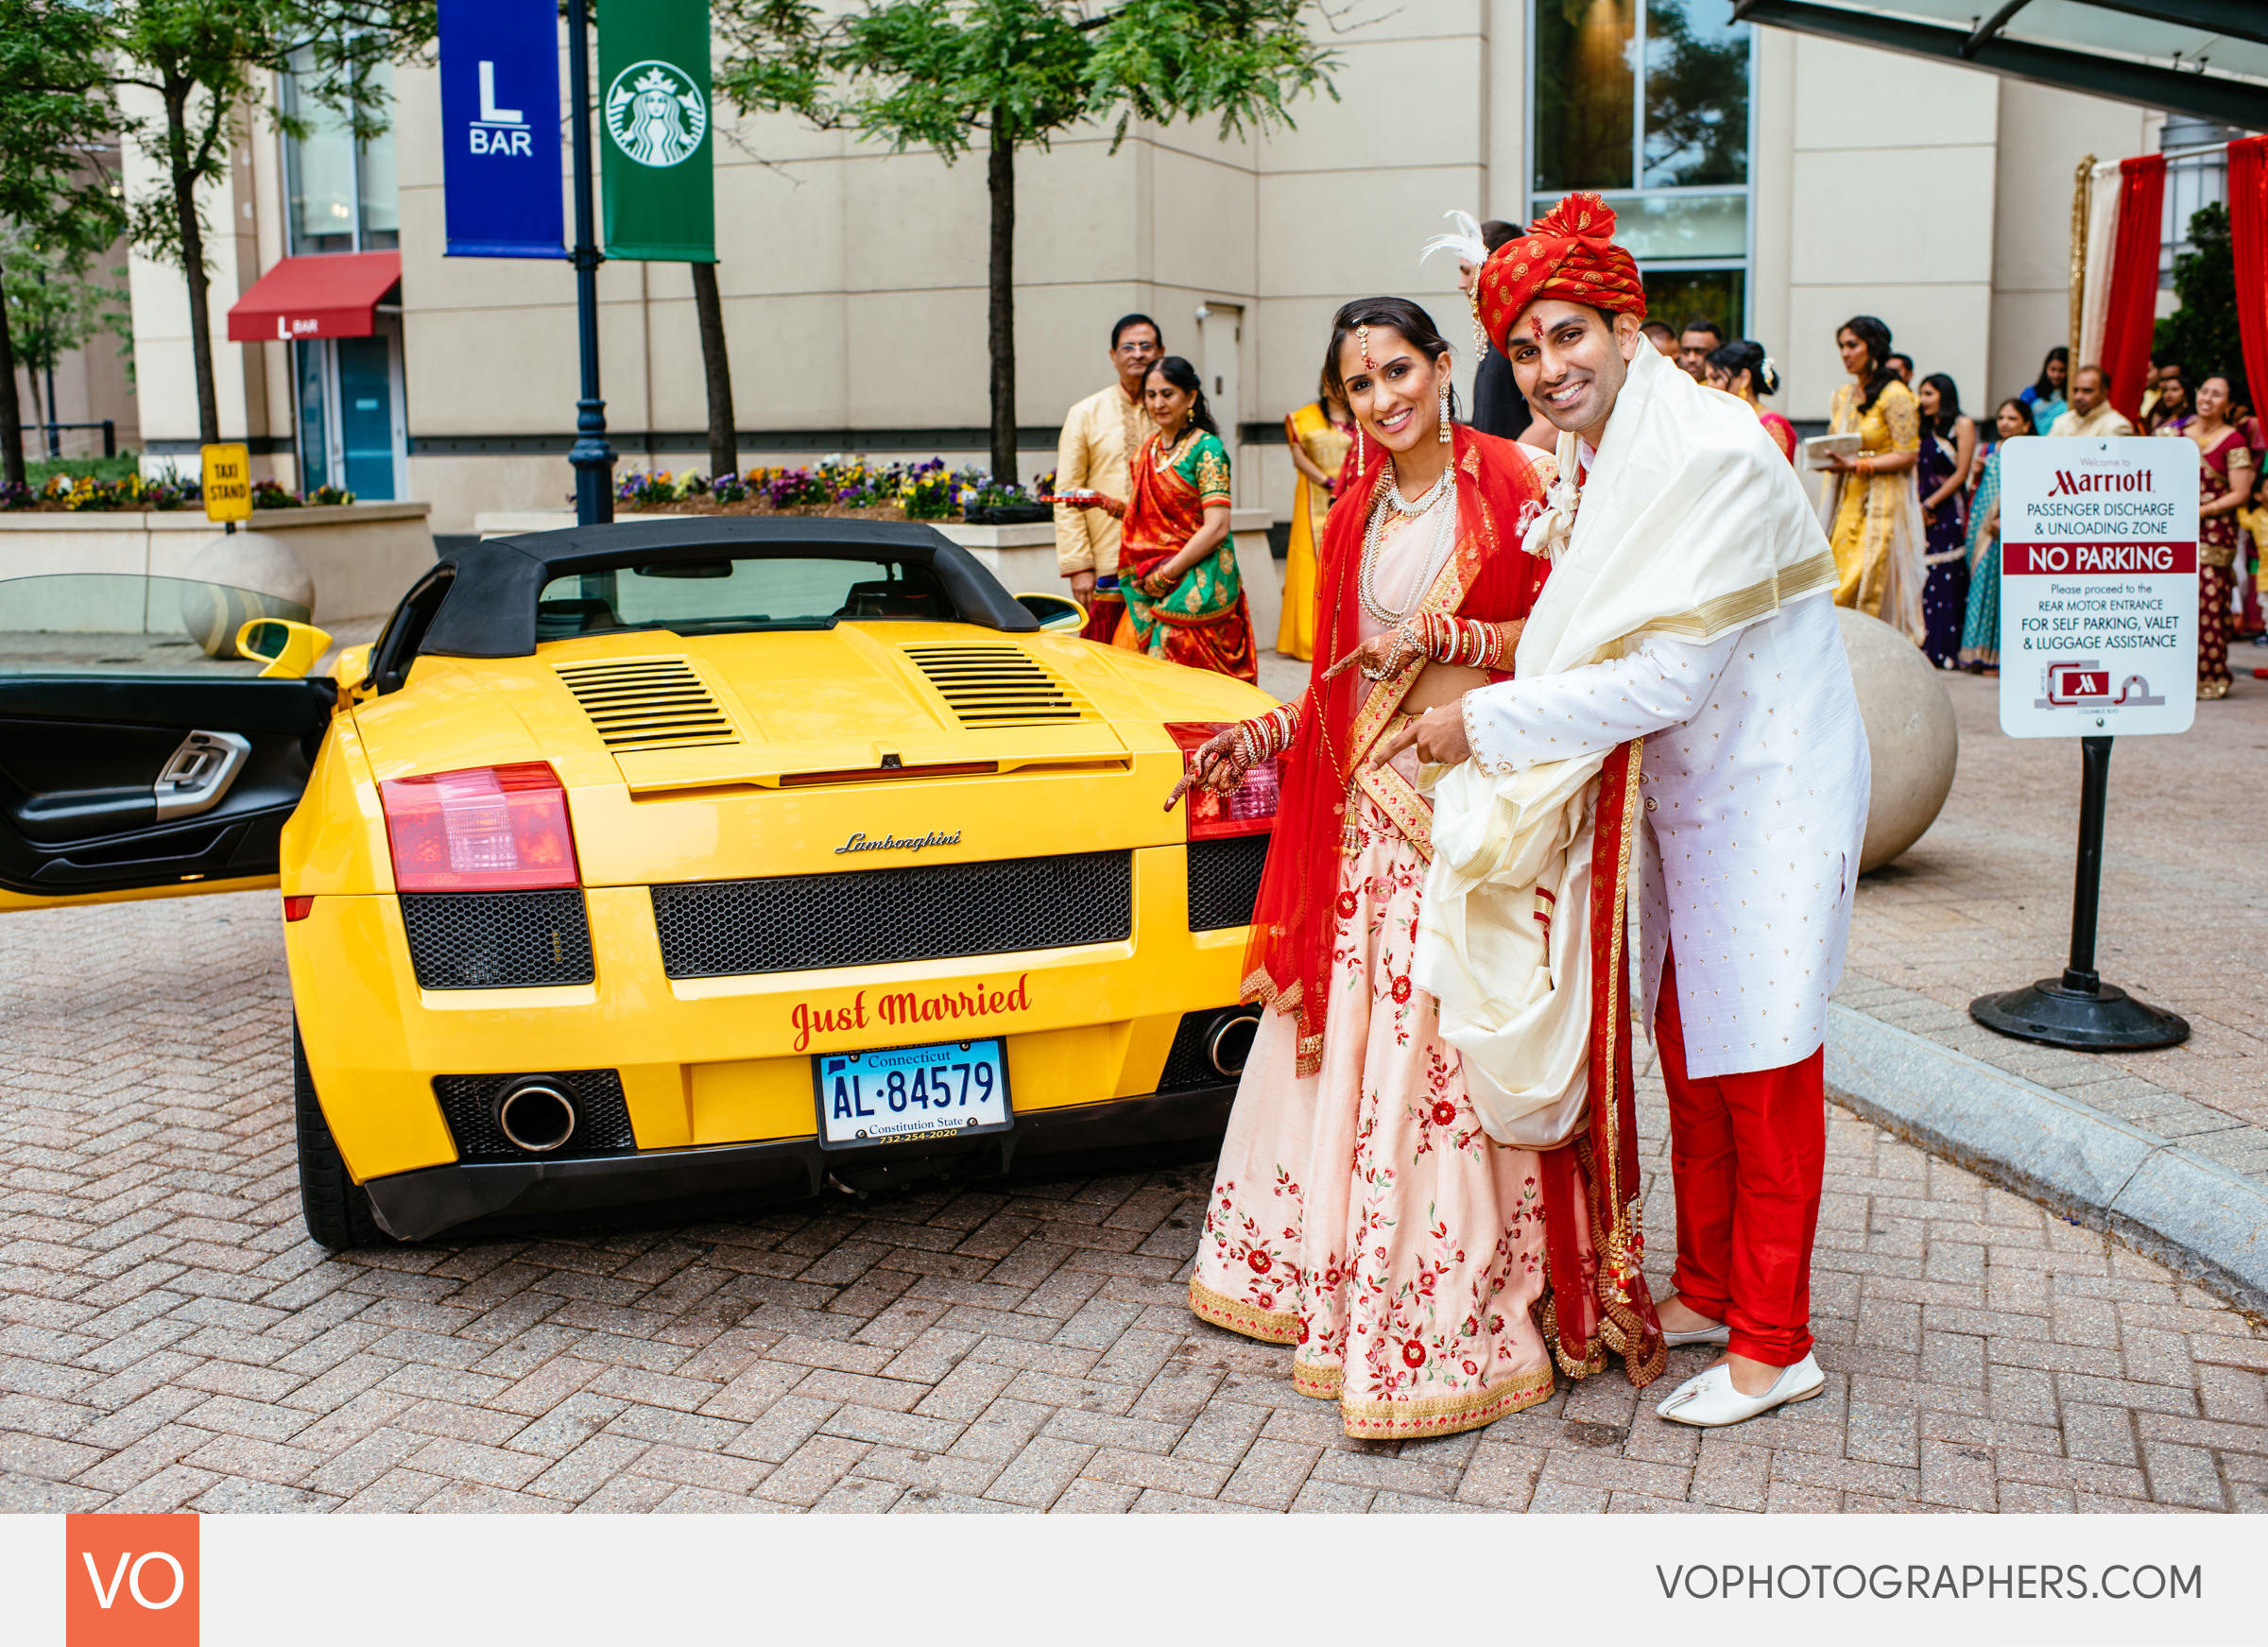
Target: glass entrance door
351	427
366	417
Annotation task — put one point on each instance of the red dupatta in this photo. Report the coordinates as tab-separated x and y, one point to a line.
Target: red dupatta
1287	964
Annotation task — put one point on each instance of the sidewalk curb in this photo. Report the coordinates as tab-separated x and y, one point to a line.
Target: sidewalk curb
2191	1214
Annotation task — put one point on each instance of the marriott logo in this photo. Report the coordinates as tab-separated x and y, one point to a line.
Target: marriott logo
2099	480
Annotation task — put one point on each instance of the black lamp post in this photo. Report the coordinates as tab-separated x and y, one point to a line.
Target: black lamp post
593	457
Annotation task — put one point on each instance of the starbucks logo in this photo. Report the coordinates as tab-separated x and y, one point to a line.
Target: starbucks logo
655	113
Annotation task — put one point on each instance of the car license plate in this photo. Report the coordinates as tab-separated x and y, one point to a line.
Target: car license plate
903	1094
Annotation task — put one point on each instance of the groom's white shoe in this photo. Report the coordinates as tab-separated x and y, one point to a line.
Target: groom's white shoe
1708	1399
1720	1335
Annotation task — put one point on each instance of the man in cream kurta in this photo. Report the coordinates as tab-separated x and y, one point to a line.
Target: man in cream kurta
1689	607
1101	434
2091	413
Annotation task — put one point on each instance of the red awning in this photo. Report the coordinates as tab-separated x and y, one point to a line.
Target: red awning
315	297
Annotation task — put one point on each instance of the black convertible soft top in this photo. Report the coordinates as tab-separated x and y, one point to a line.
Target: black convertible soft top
491	608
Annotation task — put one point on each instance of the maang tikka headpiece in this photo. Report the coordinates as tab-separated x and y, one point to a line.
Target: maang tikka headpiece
1362	339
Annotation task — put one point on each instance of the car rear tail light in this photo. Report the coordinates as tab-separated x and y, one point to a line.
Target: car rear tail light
1247	810
486	829
298	906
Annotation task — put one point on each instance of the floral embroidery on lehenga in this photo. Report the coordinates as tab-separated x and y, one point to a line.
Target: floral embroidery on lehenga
1347	1204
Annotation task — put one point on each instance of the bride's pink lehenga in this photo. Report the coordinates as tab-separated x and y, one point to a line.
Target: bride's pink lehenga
1359	1211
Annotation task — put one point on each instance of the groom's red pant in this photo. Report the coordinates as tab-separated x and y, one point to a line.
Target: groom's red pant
1748	1152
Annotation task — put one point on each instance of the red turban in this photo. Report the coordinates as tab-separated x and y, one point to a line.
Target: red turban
1568	253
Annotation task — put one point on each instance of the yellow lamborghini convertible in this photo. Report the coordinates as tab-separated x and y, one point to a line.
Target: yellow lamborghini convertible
688	857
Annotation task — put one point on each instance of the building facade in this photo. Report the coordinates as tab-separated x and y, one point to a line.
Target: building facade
1779	181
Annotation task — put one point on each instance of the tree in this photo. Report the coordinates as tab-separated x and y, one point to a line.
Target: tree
55	113
1012	73
709	308
54	303
2201	334
204	61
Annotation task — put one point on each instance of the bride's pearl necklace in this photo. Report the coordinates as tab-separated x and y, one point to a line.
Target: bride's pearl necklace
1373	540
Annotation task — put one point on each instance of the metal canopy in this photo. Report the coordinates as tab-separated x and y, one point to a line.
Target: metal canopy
2203	57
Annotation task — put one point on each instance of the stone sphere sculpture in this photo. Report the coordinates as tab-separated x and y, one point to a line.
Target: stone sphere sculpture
237	576
1911	736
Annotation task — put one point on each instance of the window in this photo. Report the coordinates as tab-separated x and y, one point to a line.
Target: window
1647	102
2196	155
342	195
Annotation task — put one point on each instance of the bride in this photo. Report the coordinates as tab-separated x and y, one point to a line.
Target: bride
1360	1212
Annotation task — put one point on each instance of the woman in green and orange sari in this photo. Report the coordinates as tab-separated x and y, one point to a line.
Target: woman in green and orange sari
1176	563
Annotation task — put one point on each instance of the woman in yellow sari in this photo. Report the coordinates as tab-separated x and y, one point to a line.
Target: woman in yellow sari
1870	508
1320	434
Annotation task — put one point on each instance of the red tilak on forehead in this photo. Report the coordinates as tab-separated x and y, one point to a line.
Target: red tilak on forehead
1536	325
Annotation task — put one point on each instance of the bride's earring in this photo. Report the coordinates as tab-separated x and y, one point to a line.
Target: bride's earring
1441	429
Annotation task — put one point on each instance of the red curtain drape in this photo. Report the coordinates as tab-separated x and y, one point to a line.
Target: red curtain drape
2131	310
2248	230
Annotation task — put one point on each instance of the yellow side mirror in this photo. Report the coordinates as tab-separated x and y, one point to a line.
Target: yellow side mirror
351	668
288	648
1057	613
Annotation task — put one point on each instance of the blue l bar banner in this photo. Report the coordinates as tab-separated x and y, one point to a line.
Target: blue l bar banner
501	178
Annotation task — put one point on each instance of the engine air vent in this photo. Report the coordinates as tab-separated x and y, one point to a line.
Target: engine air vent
997	686
647	703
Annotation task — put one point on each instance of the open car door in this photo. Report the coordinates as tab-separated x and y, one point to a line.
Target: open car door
124	783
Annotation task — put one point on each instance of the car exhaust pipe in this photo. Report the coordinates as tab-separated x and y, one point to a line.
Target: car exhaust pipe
1230	1042
536	1116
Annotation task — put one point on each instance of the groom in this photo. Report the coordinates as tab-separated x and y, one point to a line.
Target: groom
1689	611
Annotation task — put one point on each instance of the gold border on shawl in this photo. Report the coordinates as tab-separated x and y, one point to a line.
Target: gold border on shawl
1409	811
1314	1378
1268	1326
1744	607
1444	1415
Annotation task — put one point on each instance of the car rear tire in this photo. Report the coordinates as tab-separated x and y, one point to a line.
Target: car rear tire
337	1210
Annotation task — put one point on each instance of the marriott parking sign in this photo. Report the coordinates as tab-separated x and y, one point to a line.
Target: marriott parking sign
2098	586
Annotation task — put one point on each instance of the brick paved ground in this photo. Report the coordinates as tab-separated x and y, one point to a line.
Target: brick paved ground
1984	903
169	1338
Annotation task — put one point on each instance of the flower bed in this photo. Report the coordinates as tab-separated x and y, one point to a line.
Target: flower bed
851	486
82	493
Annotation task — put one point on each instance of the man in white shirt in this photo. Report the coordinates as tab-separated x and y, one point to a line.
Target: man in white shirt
1688	611
2091	412
1101	434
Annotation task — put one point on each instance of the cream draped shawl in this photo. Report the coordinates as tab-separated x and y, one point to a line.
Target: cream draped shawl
1693	524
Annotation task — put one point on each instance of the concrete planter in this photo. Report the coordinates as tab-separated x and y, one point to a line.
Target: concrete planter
1022	557
361	558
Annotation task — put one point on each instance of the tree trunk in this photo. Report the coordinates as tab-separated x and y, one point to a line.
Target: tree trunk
193	264
724	446
1001	180
11	408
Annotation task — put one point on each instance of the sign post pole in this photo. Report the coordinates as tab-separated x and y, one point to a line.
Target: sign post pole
2098	602
593	458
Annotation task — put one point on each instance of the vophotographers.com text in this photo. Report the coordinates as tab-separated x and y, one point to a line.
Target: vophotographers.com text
1885	1581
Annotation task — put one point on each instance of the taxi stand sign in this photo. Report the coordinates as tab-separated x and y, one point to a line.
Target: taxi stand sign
2098	638
228	483
2098	586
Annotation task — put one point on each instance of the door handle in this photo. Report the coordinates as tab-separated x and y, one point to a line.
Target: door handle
198	774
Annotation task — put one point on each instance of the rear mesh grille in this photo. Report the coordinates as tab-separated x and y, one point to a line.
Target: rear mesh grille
865	917
1223	881
647	703
497	940
602	1119
996	686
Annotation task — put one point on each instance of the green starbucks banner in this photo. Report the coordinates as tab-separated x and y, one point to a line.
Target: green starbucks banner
659	203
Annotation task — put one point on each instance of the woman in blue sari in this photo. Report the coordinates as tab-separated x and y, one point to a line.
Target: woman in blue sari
1981	624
